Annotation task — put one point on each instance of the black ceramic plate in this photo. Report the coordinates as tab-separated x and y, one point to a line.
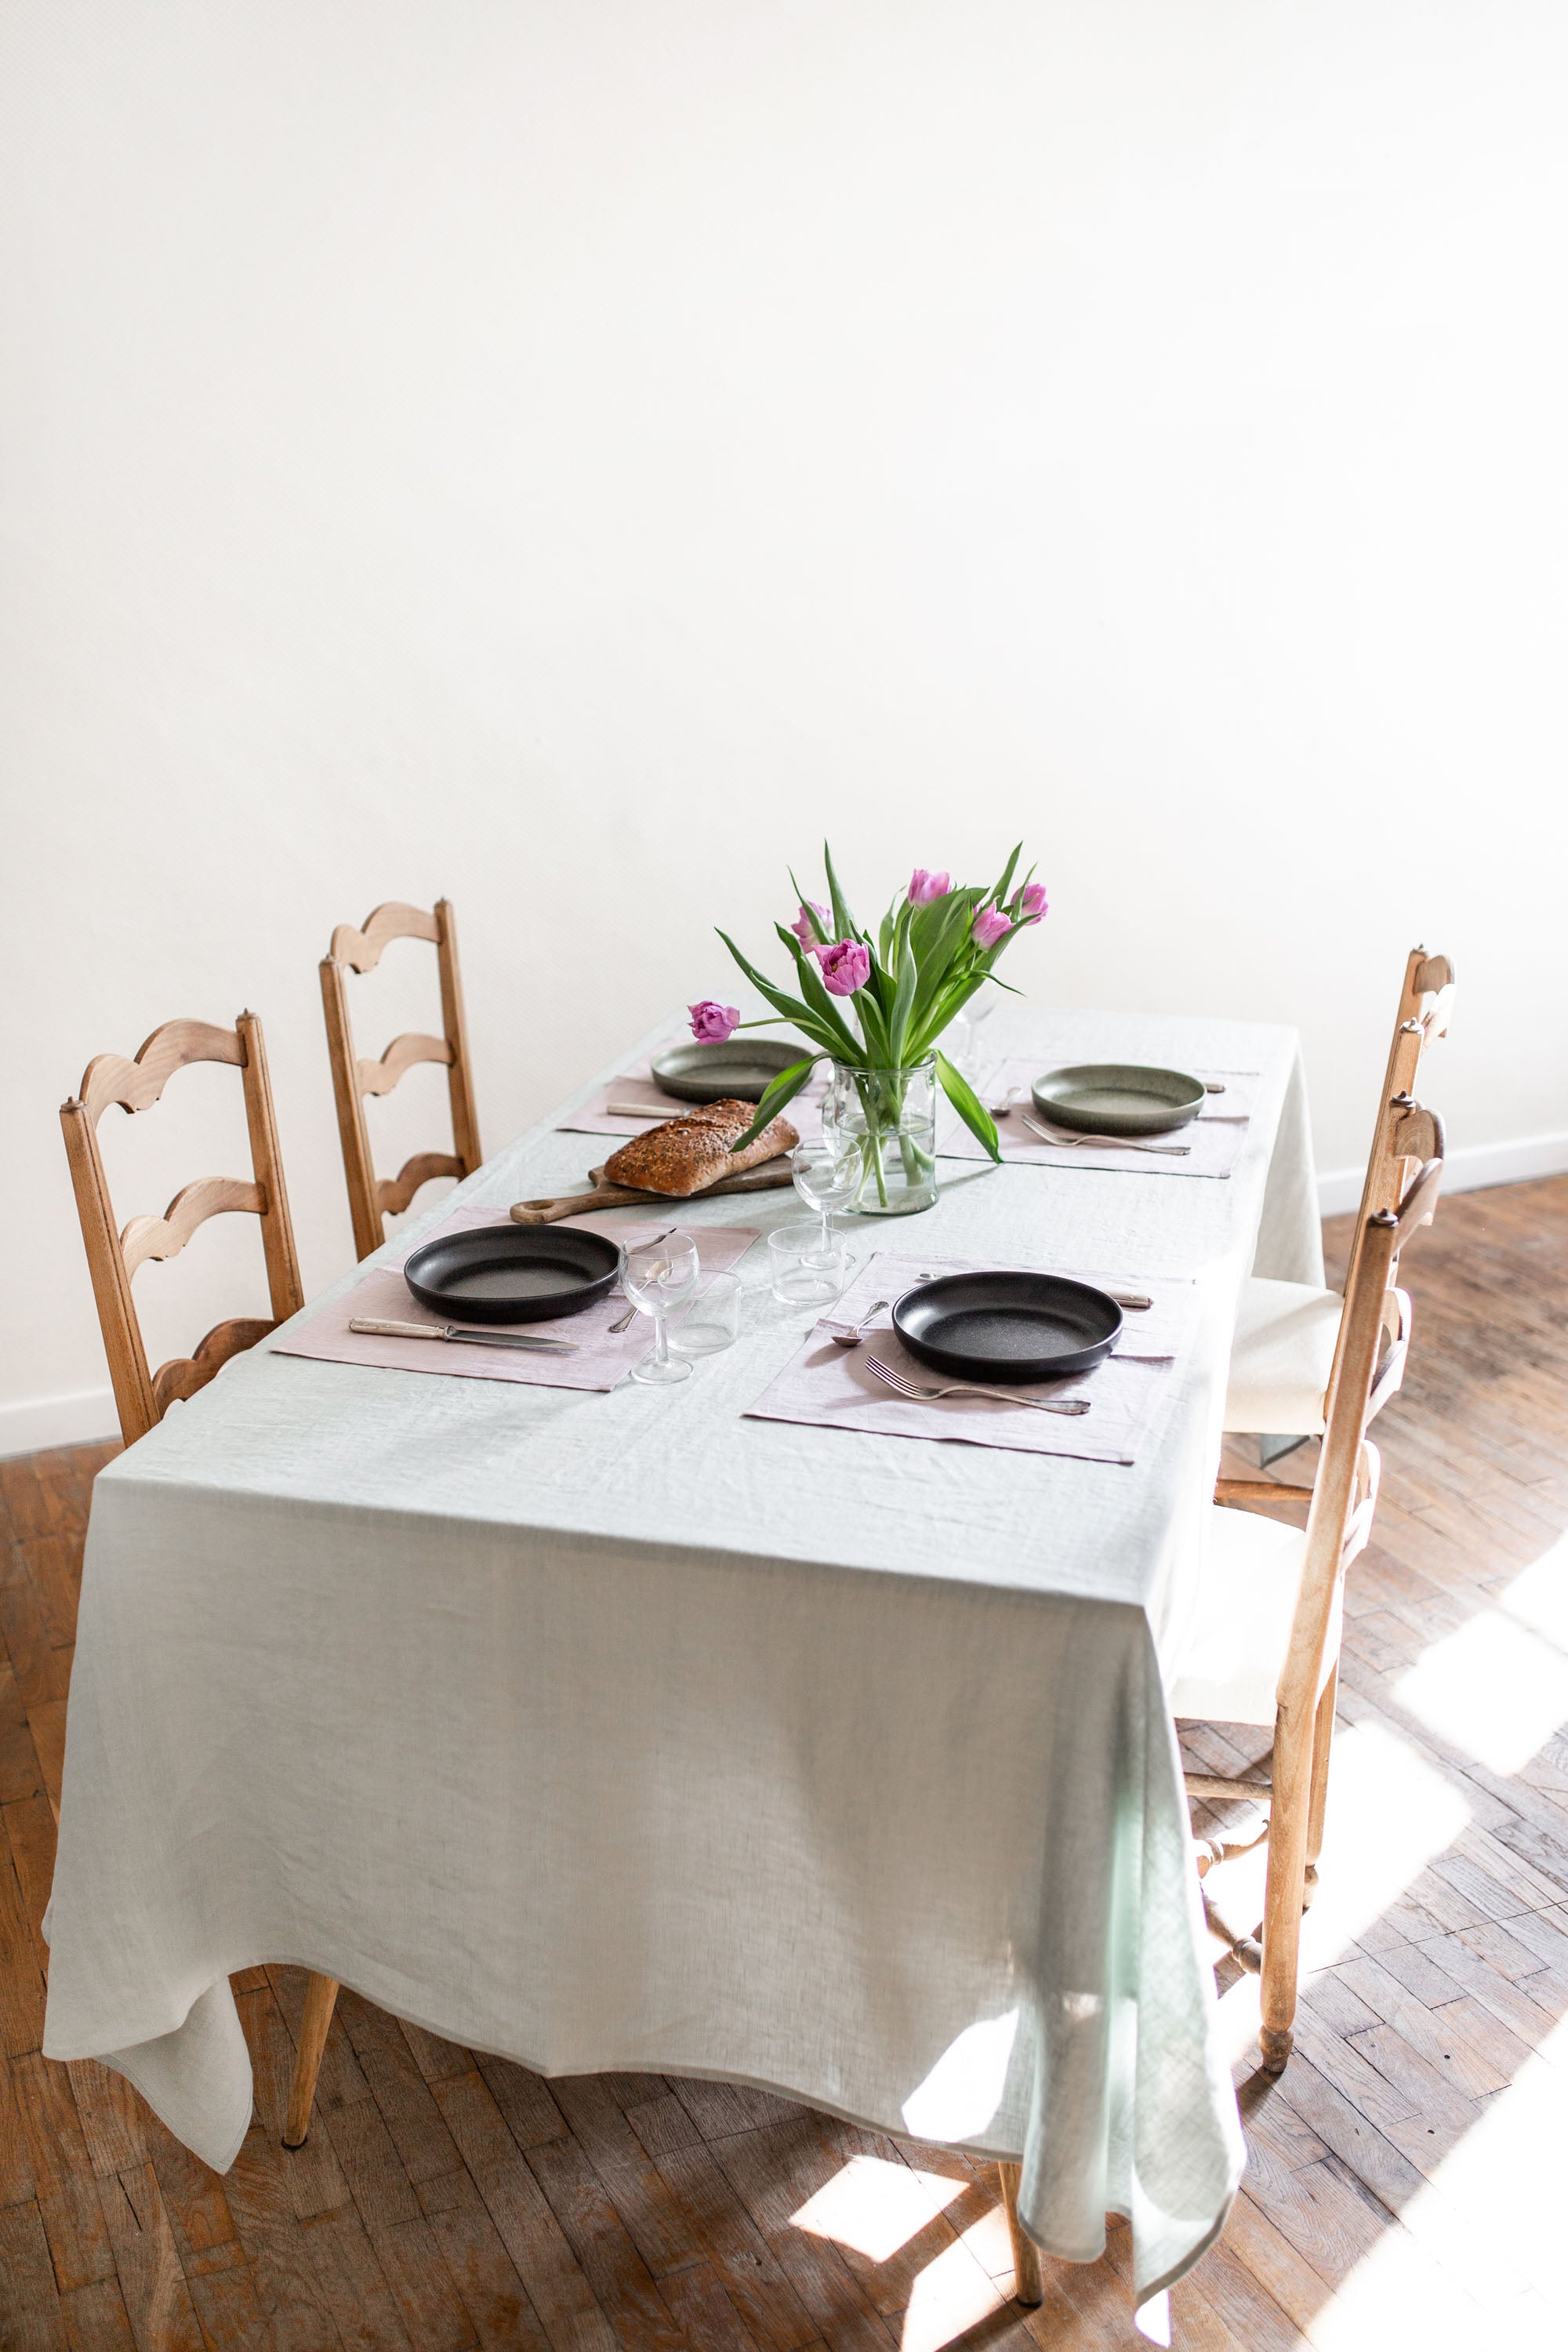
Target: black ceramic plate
740	1070
512	1274
1007	1327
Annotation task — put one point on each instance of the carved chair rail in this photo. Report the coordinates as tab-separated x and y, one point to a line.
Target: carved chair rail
372	1199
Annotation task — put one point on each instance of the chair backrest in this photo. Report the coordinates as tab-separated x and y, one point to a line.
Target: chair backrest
369	1200
1426	1001
142	1396
1374	1341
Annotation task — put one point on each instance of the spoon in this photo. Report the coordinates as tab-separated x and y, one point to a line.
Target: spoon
851	1337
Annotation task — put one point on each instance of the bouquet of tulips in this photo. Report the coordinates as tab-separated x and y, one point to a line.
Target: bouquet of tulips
876	1007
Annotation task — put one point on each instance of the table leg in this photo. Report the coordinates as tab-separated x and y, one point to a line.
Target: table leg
1028	2286
320	1997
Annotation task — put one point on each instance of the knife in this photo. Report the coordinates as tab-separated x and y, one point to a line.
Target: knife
463	1332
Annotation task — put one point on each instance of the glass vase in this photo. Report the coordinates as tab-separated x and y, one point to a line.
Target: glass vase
889	1119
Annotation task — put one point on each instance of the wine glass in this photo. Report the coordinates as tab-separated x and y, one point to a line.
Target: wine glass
660	1276
965	1029
826	1177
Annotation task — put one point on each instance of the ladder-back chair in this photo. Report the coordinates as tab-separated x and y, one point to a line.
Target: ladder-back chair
371	1200
1264	1646
1289	1335
142	1396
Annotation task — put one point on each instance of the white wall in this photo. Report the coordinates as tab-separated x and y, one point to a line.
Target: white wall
570	453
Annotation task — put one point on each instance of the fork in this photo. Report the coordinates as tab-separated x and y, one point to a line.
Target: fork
1115	1142
924	1391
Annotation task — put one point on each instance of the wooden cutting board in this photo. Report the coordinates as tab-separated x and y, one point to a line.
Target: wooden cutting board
760	1178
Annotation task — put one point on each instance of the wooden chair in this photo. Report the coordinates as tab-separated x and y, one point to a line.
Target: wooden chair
142	1396
1289	1335
1264	1648
369	1200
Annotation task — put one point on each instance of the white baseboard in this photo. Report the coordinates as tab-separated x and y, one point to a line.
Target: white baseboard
34	1424
1469	1169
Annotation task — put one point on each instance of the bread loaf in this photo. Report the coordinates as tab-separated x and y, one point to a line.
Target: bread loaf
683	1155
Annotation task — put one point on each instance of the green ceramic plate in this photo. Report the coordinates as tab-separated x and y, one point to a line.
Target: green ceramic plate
740	1070
1119	1099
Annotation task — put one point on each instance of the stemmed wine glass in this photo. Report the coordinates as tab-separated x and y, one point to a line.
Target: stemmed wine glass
659	1277
828	1176
965	1027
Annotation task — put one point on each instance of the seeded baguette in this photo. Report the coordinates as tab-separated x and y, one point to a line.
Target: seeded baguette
682	1155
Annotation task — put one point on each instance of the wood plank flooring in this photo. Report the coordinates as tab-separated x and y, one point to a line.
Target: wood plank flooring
1407	2179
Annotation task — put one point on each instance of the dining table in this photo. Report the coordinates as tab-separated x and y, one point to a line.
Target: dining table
631	1728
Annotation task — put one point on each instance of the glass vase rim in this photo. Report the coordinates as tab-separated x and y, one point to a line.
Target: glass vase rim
887	1069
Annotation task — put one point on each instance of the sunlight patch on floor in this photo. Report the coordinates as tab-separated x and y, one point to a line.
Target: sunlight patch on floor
876	2207
1498	1687
1389	1813
1477	2259
950	2295
1505	2184
1493	1687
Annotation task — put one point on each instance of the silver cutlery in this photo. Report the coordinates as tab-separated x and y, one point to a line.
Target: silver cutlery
1008	1104
463	1332
921	1392
1213	1086
1102	1142
852	1336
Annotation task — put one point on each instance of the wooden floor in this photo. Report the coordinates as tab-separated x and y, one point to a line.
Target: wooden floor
1407	2183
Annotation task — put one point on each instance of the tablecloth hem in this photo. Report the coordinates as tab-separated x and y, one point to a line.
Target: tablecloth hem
1145	2289
123	2060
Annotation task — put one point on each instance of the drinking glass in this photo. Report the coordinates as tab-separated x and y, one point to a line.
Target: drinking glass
796	1273
826	1177
713	1319
659	1277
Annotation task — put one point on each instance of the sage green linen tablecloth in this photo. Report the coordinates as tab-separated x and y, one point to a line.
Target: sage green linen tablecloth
621	1731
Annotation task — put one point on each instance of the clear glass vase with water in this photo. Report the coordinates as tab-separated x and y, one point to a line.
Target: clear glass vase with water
889	1119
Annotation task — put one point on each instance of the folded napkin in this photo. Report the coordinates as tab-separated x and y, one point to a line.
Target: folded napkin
603	1357
1215	1137
641	1102
830	1386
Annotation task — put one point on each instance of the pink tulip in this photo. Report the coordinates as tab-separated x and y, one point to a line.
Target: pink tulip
712	1024
989	925
1032	902
845	967
805	930
925	887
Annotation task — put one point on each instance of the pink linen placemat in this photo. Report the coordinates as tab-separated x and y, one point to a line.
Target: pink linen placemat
1214	1136
605	1359
829	1386
638	1085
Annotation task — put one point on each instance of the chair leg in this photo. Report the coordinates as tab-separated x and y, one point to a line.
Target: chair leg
1322	1745
1288	1819
1028	2287
320	1997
